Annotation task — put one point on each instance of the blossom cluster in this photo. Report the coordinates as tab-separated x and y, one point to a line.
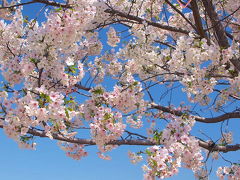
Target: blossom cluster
106	125
161	163
46	109
134	158
227	138
45	64
113	39
231	173
74	151
179	148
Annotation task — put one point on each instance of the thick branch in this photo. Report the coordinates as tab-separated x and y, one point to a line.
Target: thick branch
219	30
213	147
231	95
206	145
197	19
226	17
53	3
79	86
180	13
50	3
217	119
232	115
17	5
140	20
59	137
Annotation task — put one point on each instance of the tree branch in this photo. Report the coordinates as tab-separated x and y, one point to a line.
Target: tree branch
223	19
50	3
206	145
214	147
140	20
181	14
197	19
231	115
79	86
219	30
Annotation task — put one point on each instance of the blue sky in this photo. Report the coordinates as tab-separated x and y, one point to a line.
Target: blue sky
48	161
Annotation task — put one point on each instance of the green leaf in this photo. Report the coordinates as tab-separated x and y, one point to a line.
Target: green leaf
107	116
157	18
58	9
98	91
33	60
69	109
45	97
68	124
25	20
67	114
139	153
17	72
148	152
135	83
26	138
148	10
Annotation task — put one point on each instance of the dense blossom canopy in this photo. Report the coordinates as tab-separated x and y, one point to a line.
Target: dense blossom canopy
100	66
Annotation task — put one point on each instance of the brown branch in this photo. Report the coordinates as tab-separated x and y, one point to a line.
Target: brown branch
50	3
10	49
167	110
17	5
214	147
166	44
40	77
197	19
181	14
219	30
136	134
223	19
231	95
229	35
140	20
206	145
79	86
226	116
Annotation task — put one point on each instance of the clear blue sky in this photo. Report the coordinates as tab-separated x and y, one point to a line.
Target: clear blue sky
49	162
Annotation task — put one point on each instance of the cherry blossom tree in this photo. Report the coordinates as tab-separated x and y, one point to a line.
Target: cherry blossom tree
115	70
